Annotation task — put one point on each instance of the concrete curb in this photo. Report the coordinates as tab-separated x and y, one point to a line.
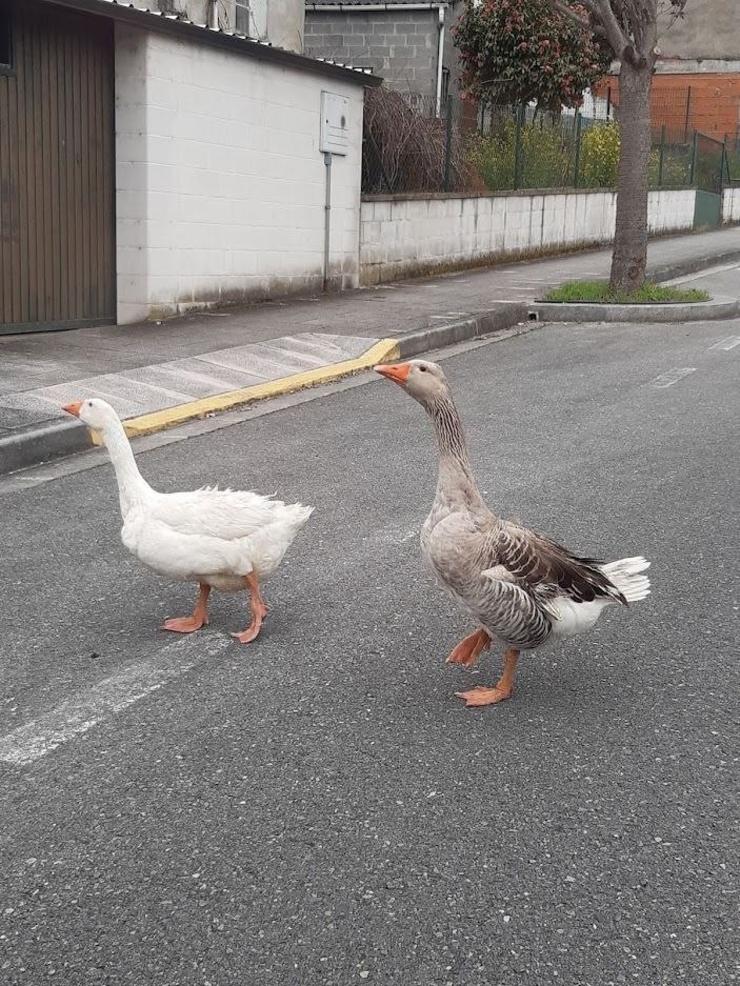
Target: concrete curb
504	316
383	350
57	439
49	441
667	272
718	308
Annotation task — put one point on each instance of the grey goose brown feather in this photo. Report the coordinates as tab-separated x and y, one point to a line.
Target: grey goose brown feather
521	587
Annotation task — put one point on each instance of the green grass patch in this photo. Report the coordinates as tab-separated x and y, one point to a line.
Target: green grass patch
599	291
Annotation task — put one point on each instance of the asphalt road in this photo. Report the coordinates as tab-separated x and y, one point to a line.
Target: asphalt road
318	808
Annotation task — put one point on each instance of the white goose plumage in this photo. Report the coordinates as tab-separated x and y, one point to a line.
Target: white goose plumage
229	540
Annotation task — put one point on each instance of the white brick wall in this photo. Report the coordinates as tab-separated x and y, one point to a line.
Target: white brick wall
731	205
407	236
669	211
220	183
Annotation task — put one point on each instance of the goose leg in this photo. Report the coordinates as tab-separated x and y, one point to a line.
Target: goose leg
469	649
189	624
258	608
503	689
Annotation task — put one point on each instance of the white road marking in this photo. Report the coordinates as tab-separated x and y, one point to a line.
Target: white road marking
672	376
726	344
81	712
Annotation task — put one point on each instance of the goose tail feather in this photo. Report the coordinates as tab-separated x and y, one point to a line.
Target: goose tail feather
626	575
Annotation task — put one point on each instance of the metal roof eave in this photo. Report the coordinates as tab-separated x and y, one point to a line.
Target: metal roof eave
188	31
339	7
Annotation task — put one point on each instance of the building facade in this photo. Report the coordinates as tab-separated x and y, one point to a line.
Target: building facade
700	54
149	166
697	78
408	43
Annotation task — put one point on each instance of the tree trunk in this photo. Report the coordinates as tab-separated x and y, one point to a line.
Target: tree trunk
630	238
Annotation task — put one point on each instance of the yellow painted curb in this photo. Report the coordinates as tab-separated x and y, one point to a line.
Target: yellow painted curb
146	424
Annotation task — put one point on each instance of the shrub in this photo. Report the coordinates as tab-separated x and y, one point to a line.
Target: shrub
530	50
676	166
545	156
599	164
404	148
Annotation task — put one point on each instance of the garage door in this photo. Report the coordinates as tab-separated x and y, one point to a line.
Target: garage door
57	181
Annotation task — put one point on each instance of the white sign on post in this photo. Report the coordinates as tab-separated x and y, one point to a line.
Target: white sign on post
334	124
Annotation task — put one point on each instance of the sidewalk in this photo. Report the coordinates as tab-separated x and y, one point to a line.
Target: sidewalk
156	375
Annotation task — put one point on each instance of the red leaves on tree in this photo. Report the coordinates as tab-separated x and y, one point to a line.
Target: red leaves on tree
518	51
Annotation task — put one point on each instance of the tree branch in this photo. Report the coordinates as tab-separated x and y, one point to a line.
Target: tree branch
571	14
602	23
615	35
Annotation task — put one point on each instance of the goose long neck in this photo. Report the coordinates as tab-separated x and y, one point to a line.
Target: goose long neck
455	482
132	487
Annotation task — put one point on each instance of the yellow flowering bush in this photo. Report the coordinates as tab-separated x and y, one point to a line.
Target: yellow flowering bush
600	156
545	157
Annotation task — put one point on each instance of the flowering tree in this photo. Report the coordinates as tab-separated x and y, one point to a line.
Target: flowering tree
527	50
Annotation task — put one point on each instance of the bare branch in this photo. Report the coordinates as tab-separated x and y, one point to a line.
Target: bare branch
669	12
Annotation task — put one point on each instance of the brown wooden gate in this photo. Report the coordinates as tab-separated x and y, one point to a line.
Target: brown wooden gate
57	168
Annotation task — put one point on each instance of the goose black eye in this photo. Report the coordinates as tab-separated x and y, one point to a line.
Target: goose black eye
423	369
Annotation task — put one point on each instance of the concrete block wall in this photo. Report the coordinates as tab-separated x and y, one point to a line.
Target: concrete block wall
219	180
399	45
671	210
407	236
731	205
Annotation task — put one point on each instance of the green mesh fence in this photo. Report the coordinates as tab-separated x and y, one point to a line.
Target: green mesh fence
413	145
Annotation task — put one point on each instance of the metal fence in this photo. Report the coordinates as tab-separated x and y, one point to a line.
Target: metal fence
411	145
731	169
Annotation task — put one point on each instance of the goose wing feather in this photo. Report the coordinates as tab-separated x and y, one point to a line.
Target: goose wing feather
546	568
225	514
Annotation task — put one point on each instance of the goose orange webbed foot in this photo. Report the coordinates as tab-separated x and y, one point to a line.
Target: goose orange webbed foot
199	618
248	635
259	610
184	624
480	696
503	689
469	649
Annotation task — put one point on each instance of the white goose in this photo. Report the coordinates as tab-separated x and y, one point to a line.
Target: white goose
222	539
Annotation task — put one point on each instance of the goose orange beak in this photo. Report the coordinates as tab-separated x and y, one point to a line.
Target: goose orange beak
397	372
73	409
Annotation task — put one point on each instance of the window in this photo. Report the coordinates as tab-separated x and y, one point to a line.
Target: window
6	37
242	18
